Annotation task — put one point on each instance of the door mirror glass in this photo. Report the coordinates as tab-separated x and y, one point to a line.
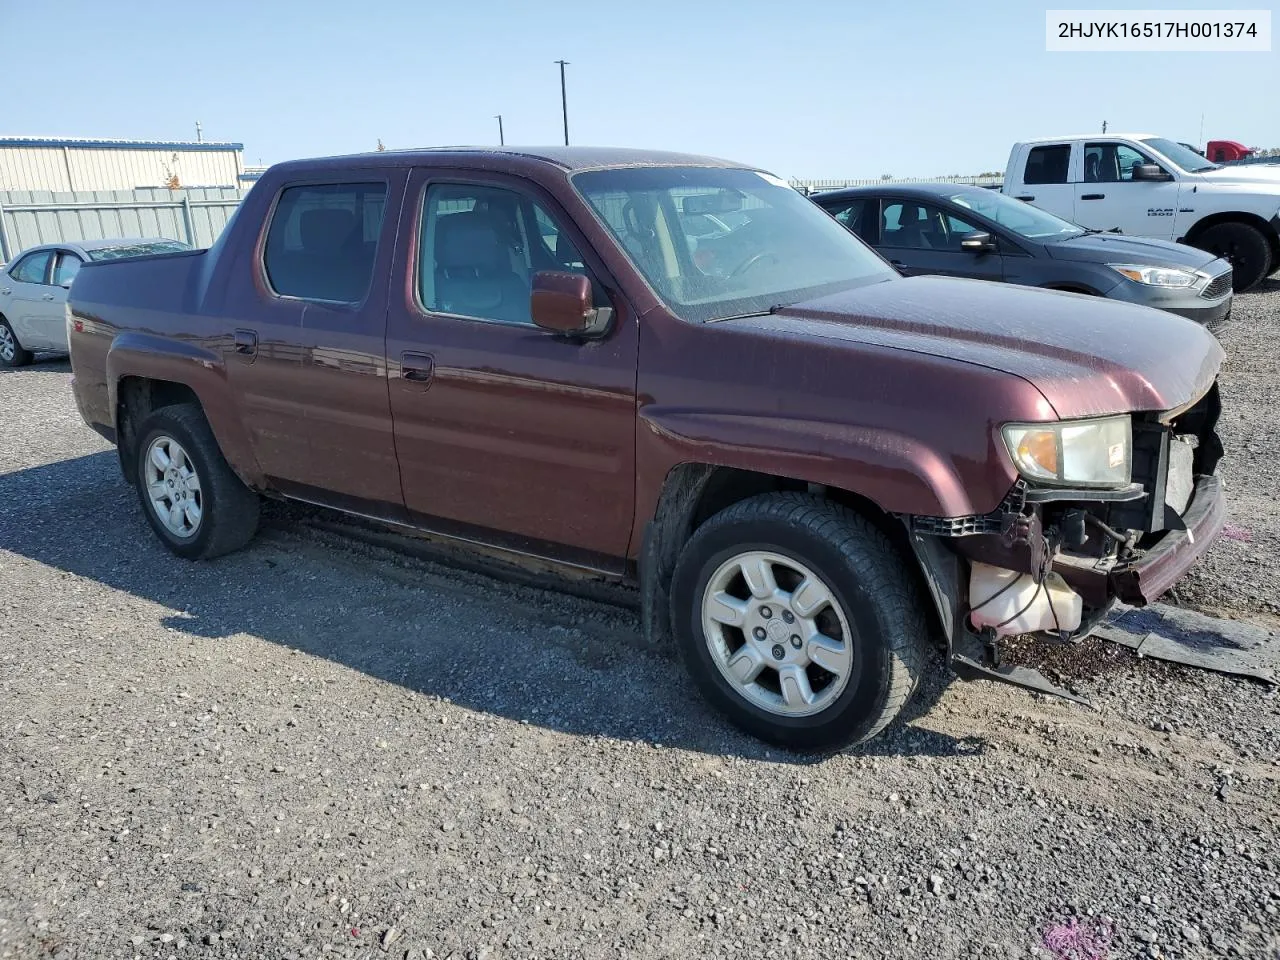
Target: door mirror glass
561	303
978	241
1149	171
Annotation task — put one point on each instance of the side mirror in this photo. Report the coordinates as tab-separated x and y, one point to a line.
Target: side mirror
1150	172
561	303
978	242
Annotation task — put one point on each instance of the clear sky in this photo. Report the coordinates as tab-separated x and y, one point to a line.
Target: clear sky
816	89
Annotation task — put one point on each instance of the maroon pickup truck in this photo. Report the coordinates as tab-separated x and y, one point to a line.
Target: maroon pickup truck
673	371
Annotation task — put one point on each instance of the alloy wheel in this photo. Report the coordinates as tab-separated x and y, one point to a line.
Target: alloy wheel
778	634
173	487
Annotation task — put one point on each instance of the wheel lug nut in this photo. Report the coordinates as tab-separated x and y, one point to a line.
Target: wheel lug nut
795	641
788	616
758	633
778	652
766	612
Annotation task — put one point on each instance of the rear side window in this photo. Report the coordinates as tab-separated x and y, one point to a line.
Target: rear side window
32	268
1048	164
323	240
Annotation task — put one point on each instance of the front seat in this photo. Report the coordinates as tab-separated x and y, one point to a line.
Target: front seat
1091	168
910	232
473	270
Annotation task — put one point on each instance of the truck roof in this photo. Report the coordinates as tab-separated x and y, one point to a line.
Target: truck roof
1089	136
567	158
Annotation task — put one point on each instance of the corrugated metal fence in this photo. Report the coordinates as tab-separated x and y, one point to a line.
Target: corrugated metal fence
31	217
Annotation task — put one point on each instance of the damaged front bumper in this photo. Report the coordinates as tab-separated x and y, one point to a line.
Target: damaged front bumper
1092	548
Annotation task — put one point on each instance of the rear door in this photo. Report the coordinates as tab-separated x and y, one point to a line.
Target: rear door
26	295
507	434
308	346
1047	180
1108	198
924	238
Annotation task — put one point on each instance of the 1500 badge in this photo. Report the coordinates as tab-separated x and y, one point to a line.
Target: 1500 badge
1160	211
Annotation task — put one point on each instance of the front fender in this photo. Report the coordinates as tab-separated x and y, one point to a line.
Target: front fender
893	470
152	357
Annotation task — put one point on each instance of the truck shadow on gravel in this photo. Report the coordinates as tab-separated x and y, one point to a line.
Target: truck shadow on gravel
565	663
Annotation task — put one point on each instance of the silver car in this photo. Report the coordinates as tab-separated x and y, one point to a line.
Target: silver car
33	291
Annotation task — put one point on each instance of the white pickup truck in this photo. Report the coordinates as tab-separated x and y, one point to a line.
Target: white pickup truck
1148	186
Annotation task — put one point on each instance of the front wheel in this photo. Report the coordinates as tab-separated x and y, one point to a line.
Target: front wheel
193	500
11	352
799	621
1246	248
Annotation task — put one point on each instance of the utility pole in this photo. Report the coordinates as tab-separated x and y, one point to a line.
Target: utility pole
1202	129
501	140
564	101
199	133
1104	126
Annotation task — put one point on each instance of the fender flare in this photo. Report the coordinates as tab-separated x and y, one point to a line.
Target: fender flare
203	371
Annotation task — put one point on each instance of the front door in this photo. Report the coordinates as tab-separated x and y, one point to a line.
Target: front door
921	238
1109	198
507	434
26	297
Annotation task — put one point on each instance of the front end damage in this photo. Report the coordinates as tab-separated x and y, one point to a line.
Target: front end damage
1053	560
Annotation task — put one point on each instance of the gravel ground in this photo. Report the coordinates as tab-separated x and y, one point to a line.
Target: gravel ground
322	747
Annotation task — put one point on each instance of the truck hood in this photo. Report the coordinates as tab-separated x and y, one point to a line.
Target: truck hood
1115	248
1088	356
1255	173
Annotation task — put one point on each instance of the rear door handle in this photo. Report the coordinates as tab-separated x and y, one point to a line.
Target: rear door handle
246	343
416	367
1026	196
48	296
1093	196
6	291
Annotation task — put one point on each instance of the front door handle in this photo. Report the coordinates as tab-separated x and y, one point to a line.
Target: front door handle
6	291
1026	196
246	343
1093	196
416	367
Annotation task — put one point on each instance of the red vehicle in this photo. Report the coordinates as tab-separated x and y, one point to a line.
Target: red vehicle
1227	151
677	372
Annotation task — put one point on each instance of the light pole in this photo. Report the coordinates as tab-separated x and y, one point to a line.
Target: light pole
501	140
564	101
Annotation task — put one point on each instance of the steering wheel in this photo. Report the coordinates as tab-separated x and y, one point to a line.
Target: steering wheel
750	262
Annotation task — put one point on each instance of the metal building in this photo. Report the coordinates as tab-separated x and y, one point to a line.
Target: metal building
63	166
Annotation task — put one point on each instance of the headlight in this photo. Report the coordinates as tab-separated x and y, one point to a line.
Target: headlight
1077	453
1156	276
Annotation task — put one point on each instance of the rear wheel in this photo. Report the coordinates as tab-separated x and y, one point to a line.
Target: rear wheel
799	621
1245	246
11	352
193	500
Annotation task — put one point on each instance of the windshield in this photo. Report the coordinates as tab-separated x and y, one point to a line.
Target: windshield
716	243
1188	160
1022	218
140	249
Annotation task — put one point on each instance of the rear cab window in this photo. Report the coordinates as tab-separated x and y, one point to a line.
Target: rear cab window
323	239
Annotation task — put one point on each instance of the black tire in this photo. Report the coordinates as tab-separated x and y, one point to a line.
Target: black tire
863	571
1244	245
17	355
228	509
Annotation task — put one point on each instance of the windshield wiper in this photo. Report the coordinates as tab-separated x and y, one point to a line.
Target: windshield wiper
776	308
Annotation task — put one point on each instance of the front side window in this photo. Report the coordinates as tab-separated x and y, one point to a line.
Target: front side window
481	246
921	226
724	242
1111	162
1048	164
32	268
68	266
323	240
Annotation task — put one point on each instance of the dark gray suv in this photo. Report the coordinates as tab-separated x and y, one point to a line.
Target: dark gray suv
964	231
